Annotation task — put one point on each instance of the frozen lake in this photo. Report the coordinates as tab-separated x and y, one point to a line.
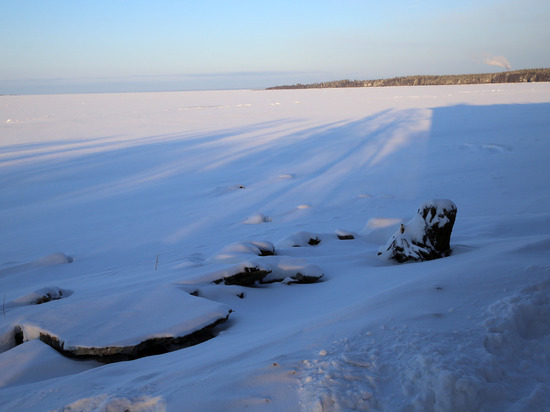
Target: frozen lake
124	208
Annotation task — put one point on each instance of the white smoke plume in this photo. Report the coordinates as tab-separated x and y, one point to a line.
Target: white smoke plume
497	61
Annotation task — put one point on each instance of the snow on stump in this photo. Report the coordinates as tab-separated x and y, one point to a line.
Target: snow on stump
427	236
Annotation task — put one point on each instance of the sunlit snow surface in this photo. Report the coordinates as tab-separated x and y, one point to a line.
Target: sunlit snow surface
95	187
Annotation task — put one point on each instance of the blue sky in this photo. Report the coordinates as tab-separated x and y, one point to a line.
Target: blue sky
96	46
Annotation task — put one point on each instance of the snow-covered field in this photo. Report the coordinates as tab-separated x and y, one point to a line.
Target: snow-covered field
124	207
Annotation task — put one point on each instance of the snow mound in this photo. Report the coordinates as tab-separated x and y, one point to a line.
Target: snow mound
379	229
48	260
257	219
300	239
42	295
55	259
291	270
237	250
35	361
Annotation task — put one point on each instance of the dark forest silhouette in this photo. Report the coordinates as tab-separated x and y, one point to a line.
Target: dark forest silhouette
516	76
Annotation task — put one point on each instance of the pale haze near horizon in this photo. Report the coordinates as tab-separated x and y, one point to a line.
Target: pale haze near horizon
105	46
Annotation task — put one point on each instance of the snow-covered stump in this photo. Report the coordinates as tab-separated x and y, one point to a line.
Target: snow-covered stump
427	236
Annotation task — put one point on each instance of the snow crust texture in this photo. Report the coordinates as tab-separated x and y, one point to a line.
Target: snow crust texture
504	364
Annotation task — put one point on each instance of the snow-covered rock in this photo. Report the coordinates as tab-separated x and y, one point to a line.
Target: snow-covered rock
43	295
300	239
291	270
122	325
236	251
427	236
244	274
344	234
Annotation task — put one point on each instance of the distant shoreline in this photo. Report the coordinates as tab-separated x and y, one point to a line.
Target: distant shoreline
516	76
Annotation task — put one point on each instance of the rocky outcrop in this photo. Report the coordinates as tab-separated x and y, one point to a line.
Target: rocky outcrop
427	236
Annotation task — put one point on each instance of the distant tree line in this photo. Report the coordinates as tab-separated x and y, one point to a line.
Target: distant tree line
516	76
